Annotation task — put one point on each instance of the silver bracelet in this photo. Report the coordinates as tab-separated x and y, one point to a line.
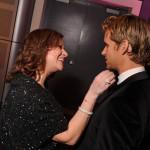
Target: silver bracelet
85	111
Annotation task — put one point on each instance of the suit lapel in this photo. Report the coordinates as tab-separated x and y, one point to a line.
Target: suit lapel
107	94
116	89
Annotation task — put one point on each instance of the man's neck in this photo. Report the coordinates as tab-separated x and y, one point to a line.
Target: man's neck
127	66
124	75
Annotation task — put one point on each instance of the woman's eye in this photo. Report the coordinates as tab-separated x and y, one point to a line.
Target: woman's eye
61	46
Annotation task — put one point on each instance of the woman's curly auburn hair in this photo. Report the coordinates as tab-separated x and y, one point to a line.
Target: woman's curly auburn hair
31	59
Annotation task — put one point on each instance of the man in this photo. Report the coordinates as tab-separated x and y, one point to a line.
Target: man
121	120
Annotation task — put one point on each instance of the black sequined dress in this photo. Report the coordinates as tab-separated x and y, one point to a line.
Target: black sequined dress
30	116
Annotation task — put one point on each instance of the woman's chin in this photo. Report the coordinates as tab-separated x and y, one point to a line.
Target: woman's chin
60	68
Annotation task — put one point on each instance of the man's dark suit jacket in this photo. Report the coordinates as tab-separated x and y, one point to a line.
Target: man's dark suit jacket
121	120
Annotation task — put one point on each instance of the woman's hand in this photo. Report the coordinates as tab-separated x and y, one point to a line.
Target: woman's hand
79	121
101	83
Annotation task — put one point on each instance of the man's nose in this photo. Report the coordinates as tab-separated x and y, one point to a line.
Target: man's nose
103	52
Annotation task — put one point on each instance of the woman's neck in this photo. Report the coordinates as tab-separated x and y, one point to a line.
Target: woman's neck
41	79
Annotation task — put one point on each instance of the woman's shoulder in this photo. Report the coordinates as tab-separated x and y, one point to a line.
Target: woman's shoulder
25	84
21	79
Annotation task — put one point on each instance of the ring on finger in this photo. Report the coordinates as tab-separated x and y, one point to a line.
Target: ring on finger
107	82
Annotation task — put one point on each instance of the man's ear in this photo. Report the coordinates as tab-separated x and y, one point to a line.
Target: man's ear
125	47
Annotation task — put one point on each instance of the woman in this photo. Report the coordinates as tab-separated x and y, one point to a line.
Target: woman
31	118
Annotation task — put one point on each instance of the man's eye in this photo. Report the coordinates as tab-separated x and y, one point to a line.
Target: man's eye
106	45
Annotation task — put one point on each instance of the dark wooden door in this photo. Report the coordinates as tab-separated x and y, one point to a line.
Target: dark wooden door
80	23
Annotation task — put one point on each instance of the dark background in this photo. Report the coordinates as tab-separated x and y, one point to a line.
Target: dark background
80	23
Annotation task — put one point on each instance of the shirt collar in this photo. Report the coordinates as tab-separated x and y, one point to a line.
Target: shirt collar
123	76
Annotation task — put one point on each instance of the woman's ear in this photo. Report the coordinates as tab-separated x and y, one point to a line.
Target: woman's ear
129	48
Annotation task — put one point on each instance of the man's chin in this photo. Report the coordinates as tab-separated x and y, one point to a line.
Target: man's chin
111	68
108	67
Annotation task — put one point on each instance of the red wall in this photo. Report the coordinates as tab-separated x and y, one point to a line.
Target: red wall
135	5
145	10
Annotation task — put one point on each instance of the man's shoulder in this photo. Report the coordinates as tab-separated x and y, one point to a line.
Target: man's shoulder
128	94
138	86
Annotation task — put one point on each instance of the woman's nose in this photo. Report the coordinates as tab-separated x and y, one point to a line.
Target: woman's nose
65	53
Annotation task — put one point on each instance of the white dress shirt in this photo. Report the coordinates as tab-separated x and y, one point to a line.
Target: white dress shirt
123	76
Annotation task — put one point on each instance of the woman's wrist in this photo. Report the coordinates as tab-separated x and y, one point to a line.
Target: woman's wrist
90	97
85	111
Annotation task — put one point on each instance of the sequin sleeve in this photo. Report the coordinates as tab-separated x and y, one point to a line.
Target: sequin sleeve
45	120
31	117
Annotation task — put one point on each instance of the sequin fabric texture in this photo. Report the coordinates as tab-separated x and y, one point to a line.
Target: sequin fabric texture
30	116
